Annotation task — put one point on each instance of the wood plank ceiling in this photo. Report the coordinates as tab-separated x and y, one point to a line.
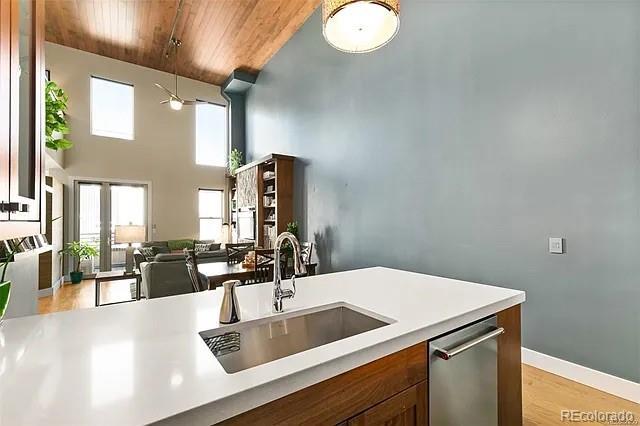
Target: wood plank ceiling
217	36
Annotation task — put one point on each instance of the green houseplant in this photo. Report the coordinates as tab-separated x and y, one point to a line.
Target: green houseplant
286	246
56	127
79	251
235	160
5	286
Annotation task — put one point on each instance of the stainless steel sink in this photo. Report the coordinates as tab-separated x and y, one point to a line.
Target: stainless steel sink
250	344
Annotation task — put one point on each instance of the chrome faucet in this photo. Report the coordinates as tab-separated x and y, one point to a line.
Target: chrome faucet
298	266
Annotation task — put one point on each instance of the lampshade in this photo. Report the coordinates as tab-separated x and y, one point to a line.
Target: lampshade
130	234
359	26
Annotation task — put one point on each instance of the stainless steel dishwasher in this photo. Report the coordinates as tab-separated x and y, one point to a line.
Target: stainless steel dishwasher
463	376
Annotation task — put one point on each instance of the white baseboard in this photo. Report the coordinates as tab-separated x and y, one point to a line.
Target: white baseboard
51	290
596	379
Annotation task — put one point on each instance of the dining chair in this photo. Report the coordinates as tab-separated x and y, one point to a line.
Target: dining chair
263	271
237	251
306	250
199	281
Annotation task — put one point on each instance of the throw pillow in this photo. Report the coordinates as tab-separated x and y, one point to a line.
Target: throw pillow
148	252
212	244
201	247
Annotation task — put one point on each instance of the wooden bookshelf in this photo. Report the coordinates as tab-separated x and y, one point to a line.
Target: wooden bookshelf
273	194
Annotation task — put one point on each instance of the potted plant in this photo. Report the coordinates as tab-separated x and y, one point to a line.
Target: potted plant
287	249
80	251
235	160
5	286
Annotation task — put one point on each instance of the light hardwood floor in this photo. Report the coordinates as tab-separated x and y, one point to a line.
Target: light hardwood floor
82	295
544	394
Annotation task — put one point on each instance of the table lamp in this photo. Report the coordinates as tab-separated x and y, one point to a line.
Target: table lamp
128	234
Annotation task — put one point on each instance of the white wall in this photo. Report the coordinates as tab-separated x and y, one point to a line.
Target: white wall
163	151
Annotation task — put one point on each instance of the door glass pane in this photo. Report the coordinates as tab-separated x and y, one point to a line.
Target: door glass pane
128	207
89	222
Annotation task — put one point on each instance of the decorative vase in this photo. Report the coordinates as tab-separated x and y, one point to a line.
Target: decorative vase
5	292
76	277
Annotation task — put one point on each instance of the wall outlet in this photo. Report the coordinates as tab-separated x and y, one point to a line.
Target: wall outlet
556	245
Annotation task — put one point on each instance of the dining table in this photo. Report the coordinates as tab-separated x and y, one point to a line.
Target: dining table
219	272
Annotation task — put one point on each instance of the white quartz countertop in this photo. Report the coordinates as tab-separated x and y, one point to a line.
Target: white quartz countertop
144	362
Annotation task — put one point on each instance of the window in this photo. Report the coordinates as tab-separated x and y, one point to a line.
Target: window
111	109
210	207
211	134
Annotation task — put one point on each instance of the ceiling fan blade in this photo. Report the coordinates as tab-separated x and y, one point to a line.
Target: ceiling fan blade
160	86
166	101
193	102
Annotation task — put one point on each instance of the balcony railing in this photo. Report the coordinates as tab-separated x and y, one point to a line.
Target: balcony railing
117	252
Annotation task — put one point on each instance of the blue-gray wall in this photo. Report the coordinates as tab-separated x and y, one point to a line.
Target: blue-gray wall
484	128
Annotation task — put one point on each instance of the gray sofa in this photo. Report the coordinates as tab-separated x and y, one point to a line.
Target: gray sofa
165	274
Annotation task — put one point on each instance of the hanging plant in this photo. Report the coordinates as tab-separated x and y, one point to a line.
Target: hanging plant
56	126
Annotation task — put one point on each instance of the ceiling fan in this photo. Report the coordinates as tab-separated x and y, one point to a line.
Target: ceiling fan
175	101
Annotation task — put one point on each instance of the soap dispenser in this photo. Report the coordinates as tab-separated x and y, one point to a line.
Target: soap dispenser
230	310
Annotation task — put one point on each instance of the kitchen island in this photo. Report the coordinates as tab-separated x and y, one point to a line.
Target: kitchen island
146	362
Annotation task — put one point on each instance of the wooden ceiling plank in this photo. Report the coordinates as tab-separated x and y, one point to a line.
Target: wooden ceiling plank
221	13
84	14
218	35
286	31
140	22
239	17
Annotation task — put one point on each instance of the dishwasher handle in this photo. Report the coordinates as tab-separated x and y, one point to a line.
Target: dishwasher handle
447	354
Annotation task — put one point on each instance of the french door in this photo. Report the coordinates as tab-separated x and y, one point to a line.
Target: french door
99	208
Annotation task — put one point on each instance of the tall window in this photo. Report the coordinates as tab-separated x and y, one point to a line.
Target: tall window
111	109
211	134
210	207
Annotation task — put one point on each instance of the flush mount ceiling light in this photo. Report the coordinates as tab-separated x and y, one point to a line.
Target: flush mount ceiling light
359	26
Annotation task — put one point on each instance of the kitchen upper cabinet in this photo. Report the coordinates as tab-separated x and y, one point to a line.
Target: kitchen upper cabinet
5	90
21	116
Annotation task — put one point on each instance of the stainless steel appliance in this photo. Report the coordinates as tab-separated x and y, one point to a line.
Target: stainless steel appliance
463	376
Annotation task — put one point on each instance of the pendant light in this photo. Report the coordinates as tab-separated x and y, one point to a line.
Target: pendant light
359	26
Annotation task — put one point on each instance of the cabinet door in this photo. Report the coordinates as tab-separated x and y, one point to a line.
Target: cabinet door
408	408
27	105
5	84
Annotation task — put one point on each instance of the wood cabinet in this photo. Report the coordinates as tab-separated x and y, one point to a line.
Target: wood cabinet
21	116
392	390
408	408
266	185
345	396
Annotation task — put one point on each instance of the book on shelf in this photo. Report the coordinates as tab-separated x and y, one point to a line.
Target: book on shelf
269	236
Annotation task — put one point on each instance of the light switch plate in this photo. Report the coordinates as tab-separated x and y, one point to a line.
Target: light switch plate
556	245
